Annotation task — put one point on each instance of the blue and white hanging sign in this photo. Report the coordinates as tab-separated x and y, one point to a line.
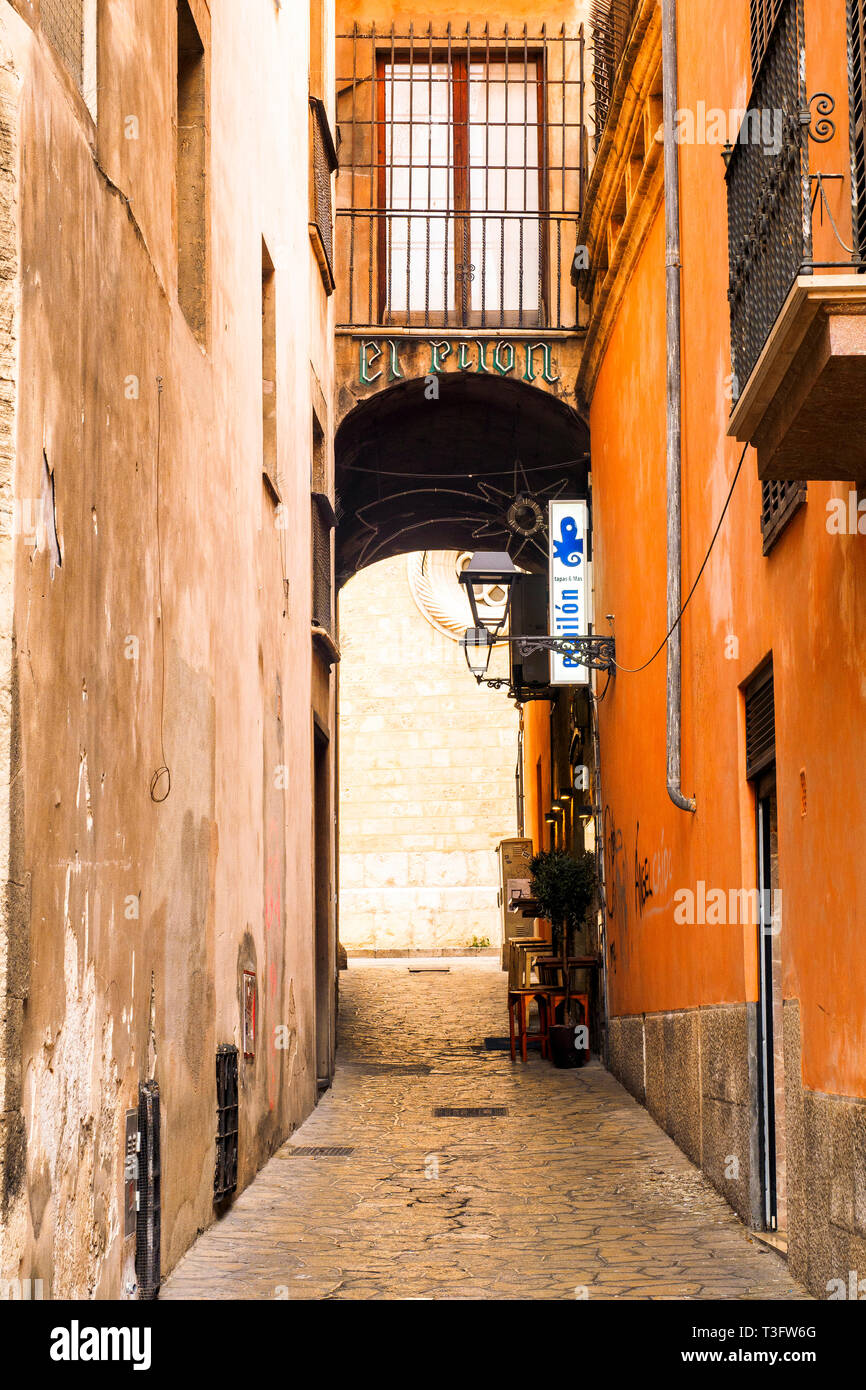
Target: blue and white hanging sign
569	586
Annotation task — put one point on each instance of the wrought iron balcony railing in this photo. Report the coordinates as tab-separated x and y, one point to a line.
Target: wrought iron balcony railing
462	169
610	22
772	196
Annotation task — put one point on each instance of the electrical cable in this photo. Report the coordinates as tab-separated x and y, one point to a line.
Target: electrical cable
633	670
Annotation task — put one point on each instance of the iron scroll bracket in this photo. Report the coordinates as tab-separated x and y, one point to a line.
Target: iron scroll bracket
597	653
823	129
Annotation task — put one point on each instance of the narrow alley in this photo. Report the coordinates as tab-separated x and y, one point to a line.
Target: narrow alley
570	1191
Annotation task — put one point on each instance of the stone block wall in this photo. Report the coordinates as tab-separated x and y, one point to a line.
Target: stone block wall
427	789
694	1071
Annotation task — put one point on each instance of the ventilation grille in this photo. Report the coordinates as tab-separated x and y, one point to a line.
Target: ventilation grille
63	26
226	1171
148	1220
760	724
779	502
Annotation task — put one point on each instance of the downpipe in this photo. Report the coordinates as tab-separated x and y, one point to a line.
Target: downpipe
673	270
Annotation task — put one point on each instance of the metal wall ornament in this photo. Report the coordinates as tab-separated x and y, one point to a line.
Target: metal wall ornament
513	511
824	129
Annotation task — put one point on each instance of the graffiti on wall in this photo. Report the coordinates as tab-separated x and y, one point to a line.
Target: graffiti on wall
648	885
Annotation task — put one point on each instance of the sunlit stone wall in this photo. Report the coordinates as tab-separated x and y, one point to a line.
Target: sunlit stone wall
427	762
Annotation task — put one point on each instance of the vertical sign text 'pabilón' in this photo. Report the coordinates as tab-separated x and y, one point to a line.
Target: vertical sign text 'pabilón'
569	589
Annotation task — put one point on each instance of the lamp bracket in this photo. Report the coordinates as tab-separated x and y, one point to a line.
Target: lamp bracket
598	653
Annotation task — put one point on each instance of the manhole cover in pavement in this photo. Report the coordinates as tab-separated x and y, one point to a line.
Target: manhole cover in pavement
321	1151
473	1112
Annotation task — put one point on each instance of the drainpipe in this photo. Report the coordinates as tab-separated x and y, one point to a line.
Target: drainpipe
674	404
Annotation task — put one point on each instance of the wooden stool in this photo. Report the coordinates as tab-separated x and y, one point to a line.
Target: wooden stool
555	995
520	1000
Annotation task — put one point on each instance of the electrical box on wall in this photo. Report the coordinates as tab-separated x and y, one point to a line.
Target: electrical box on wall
514	878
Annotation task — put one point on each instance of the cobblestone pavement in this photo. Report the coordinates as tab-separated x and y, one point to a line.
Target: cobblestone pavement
576	1192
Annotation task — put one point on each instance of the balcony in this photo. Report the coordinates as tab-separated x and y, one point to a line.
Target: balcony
797	293
462	170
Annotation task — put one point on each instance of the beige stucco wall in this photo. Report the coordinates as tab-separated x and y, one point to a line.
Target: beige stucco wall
142	916
427	763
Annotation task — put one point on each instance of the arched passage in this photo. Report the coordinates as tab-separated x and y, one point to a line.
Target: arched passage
470	468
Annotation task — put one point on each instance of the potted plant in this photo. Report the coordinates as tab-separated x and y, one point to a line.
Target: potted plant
564	885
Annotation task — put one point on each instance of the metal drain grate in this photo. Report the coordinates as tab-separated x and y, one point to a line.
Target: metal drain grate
470	1112
321	1151
395	1068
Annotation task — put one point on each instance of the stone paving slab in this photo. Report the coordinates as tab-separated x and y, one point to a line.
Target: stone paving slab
576	1192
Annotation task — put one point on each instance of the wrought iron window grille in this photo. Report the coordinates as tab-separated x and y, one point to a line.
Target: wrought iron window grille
610	23
463	165
324	163
226	1167
771	193
63	25
323	521
857	117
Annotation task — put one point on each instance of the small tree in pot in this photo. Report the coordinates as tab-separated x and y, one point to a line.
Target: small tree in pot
564	885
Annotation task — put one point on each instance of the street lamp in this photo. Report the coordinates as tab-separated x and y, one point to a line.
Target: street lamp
487	567
495	568
477	644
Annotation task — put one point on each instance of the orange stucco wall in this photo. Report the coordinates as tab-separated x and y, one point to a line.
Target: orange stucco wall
536	762
803	602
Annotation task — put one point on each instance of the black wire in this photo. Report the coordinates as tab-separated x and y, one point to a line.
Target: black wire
599	698
633	670
162	770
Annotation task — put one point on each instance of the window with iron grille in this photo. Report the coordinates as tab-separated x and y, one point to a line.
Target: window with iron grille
779	502
63	26
322	583
611	22
760	722
323	164
70	27
148	1220
857	42
463	176
769	226
323	522
762	16
226	1168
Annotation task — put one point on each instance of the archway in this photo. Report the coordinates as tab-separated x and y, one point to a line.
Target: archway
454	462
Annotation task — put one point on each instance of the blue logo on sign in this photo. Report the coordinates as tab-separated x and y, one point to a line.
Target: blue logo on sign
568	549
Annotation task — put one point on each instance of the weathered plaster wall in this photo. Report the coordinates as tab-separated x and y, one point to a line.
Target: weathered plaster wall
427	787
167	627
